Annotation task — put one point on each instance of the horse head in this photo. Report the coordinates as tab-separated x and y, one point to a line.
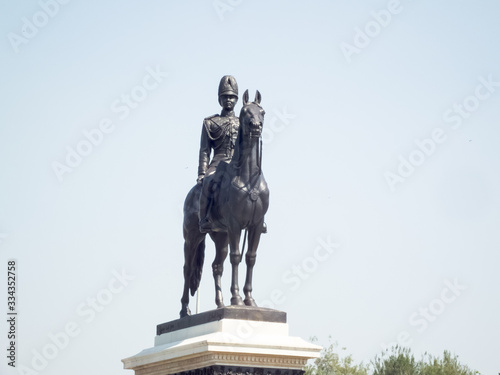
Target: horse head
252	116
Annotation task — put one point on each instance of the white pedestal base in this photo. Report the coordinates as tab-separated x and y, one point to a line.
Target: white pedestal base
223	347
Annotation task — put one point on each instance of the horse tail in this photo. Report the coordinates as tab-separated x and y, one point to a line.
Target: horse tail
199	258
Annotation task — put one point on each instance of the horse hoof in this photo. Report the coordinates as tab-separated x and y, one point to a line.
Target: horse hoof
250	302
237	301
185	312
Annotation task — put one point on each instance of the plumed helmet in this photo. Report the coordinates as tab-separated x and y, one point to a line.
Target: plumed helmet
228	86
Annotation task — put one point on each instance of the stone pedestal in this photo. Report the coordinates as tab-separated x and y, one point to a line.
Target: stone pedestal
228	341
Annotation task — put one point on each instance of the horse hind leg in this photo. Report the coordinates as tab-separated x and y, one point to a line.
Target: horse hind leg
194	253
185	311
189	250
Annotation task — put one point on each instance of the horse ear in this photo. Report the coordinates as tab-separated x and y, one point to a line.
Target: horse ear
245	97
258	97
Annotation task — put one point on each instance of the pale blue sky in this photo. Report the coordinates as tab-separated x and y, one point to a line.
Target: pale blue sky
334	131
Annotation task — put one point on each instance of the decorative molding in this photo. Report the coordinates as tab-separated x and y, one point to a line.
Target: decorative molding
236	370
225	370
226	364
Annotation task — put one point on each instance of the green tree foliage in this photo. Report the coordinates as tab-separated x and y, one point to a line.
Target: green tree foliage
448	365
396	361
330	363
400	361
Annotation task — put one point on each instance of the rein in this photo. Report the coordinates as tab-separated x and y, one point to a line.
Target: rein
259	165
250	189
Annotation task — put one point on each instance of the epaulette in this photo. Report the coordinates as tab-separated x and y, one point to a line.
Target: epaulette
211	117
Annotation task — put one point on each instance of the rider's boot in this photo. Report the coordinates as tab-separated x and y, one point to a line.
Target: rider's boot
205	223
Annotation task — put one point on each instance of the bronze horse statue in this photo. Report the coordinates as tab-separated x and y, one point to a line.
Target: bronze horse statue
240	202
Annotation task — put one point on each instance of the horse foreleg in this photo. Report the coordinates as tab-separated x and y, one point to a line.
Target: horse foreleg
254	233
220	240
235	258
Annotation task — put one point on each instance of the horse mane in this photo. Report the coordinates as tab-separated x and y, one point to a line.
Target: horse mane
235	160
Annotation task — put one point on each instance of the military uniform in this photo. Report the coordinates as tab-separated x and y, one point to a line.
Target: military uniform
218	134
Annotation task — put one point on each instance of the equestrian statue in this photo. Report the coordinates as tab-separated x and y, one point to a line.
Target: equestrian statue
231	196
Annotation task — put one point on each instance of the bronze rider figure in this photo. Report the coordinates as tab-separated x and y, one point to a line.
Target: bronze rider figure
219	134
